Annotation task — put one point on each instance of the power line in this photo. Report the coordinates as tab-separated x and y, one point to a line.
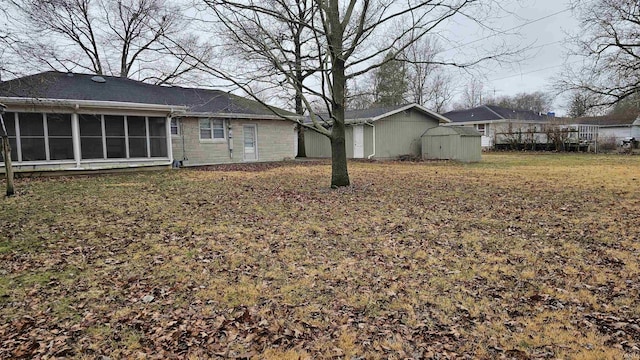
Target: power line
535	71
510	29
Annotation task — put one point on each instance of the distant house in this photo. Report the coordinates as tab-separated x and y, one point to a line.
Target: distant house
524	129
379	133
614	129
67	121
492	121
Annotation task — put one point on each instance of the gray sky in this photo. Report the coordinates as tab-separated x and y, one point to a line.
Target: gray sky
542	24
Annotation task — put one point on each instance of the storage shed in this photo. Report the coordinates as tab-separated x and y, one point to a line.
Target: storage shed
378	133
459	143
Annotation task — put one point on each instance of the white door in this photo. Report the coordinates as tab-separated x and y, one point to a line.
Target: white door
358	142
250	143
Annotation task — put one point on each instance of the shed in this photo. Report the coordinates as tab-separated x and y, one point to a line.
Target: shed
378	133
459	143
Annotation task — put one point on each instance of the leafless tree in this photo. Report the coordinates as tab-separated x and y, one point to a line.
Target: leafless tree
126	38
537	101
347	39
429	84
473	95
608	48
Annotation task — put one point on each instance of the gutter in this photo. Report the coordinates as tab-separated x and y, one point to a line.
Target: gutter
374	140
75	104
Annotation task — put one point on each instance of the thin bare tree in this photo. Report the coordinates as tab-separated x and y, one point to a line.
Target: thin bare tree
608	50
126	38
429	84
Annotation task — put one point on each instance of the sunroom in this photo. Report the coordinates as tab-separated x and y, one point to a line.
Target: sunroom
83	137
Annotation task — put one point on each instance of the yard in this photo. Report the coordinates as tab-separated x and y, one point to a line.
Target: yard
519	256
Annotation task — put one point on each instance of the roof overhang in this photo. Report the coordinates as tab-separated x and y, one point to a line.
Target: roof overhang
441	119
498	121
89	104
242	116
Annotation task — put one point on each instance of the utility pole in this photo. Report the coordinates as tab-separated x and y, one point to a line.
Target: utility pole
6	153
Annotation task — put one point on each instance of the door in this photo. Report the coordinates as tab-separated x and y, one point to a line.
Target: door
250	143
358	142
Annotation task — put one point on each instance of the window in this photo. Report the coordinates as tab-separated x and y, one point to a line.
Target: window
10	125
91	137
211	129
157	137
60	137
175	130
32	141
481	129
115	137
137	136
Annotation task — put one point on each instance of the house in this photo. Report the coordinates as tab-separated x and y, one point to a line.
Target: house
67	121
493	122
379	133
503	128
614	129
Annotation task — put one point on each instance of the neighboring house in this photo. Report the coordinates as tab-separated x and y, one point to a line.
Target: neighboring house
493	122
378	133
614	129
513	129
67	121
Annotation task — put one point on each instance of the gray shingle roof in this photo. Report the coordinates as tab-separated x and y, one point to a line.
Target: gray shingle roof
70	86
493	112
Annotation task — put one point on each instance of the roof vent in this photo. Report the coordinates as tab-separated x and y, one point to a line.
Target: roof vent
70	74
98	79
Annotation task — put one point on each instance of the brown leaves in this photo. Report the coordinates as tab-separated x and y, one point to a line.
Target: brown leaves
423	260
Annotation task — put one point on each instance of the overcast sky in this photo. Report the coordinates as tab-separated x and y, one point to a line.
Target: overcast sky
543	24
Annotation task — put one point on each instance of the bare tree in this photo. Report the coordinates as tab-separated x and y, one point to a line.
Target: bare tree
348	39
580	104
473	95
537	101
607	45
429	84
126	38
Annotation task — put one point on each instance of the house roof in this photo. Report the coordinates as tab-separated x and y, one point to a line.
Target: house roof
377	113
493	112
607	120
85	87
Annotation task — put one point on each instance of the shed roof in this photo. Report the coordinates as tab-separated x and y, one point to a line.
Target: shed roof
452	130
73	86
378	113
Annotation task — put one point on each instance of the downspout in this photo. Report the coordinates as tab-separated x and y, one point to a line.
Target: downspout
227	124
374	140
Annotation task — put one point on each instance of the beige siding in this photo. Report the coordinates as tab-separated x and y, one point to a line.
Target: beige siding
400	134
316	144
274	139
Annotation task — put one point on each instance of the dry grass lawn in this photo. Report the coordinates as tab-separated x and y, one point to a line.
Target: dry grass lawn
517	257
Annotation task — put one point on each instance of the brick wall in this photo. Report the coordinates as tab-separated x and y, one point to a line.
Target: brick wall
275	140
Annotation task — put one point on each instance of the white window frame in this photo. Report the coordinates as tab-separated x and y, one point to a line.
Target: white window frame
175	124
212	130
484	129
46	137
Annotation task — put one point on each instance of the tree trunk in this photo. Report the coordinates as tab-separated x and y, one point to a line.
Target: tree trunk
339	173
8	168
302	152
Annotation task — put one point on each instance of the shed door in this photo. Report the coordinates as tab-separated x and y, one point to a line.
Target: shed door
439	146
358	142
250	143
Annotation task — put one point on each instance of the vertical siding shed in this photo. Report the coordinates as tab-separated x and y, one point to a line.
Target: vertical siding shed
452	143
